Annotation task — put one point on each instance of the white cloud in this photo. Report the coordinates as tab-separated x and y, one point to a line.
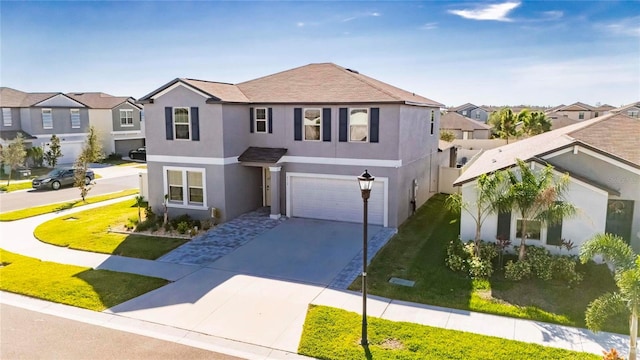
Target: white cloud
627	27
429	26
360	16
496	12
300	24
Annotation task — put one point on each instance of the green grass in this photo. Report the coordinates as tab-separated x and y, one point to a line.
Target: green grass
72	285
418	253
45	209
15	186
88	230
334	334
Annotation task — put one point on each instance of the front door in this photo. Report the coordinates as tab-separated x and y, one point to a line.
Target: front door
266	186
620	218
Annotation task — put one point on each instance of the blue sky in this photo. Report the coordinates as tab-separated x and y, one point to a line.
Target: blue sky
493	53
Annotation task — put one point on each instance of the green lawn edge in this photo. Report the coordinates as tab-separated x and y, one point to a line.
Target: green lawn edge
89	231
334	334
71	285
45	209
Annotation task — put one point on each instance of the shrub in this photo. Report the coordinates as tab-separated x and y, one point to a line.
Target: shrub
149	214
612	354
456	256
146	225
479	268
564	268
463	258
517	270
180	219
114	156
540	260
183	227
167	227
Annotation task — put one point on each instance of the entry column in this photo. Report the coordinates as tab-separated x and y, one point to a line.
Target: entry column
275	191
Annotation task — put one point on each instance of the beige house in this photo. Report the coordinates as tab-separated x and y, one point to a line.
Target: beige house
463	127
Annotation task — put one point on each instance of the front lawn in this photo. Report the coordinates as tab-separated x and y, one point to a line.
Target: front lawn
72	285
16	185
334	334
45	209
418	253
89	230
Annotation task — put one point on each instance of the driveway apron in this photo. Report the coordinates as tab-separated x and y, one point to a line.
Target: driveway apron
259	291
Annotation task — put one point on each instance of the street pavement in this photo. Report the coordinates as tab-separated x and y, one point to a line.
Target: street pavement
260	312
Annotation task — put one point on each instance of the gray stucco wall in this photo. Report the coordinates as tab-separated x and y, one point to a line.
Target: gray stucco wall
243	189
116	126
61	121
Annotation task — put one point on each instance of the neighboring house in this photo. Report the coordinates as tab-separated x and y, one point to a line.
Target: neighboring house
471	111
602	158
39	115
463	127
294	141
632	110
117	120
577	111
558	121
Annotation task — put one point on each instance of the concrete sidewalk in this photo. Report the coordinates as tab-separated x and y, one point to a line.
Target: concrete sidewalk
213	304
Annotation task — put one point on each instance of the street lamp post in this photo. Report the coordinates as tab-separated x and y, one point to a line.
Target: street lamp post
366	182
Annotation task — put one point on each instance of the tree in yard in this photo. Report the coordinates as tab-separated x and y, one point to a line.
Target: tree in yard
14	155
626	266
489	195
92	146
52	155
536	196
447	135
504	124
80	174
535	123
139	203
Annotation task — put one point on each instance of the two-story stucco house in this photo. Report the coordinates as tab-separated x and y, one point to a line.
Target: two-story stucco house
472	111
39	115
116	118
294	141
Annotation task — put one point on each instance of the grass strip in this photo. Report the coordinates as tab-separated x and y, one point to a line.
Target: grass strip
72	285
334	334
15	186
45	209
88	230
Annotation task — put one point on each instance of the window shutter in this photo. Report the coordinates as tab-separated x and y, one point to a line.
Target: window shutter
504	225
297	124
343	126
168	122
326	124
374	127
250	120
195	124
270	120
554	234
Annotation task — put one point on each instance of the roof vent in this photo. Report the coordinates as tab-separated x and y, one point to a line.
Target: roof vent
78	94
353	71
494	160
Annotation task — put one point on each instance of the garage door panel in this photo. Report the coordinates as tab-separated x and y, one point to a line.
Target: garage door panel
334	199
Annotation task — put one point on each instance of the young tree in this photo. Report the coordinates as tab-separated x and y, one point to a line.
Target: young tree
92	146
447	135
536	196
627	276
490	192
52	155
504	123
80	174
535	123
14	155
139	203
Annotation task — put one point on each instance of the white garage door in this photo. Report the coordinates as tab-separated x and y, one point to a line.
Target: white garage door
70	152
334	199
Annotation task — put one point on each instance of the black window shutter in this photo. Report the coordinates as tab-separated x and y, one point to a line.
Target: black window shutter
504	225
270	117
374	128
343	126
168	122
251	120
297	124
326	124
195	124
554	234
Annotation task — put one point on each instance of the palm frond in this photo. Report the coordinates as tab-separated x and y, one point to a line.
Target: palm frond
600	309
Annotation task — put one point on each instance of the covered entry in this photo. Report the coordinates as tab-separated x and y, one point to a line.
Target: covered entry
334	197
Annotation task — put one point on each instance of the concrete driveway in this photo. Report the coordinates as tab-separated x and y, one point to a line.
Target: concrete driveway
260	292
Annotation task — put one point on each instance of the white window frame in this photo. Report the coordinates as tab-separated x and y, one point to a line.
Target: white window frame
126	118
49	121
368	124
185	203
432	123
464	112
264	120
304	126
6	117
188	123
77	117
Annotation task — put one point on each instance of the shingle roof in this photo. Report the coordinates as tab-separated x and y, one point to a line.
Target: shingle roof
222	91
558	120
99	100
463	107
262	155
15	98
577	106
620	142
455	121
628	106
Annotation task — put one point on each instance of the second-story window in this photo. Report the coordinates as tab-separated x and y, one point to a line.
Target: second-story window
181	123
261	120
312	122
358	125
47	119
6	117
432	122
126	117
581	115
75	118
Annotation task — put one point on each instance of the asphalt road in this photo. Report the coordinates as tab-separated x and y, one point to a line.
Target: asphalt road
25	199
26	334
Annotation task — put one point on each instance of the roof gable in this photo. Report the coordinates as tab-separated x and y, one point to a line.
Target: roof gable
99	100
455	121
577	106
59	100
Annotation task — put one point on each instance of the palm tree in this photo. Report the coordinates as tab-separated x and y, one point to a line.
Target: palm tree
139	203
490	189
536	196
504	123
535	123
627	276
